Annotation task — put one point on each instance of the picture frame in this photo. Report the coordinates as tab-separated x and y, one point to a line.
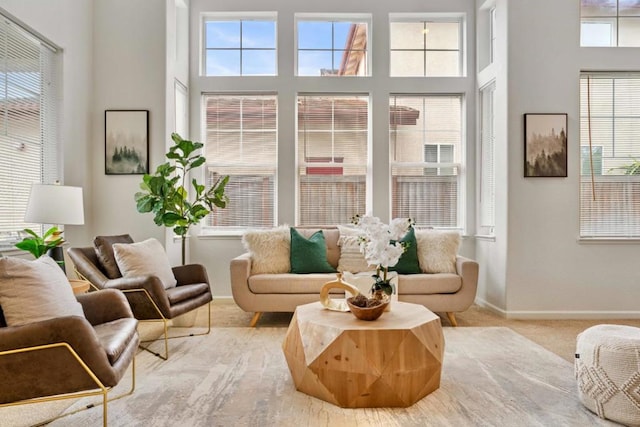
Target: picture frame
126	142
545	145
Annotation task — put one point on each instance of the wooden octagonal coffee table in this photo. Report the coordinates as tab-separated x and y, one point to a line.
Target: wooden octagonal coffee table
391	362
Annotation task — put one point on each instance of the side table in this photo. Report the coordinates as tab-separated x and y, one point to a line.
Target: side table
79	286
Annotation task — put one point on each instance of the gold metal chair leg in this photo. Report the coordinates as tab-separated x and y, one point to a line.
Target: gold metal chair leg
104	391
167	337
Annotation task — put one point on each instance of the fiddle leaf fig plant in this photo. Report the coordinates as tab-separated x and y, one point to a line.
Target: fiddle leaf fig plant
165	192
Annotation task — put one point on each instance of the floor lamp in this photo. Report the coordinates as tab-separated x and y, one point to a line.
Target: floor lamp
58	205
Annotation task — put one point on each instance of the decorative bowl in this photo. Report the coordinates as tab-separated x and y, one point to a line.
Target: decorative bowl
367	313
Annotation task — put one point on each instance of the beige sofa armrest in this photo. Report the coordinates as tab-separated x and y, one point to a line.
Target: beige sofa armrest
240	270
468	270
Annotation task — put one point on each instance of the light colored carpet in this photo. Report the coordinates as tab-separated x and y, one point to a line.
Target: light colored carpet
557	336
238	376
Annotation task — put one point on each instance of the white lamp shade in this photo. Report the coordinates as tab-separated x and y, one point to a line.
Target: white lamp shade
55	204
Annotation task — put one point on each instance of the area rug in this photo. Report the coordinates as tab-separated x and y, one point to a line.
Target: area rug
239	377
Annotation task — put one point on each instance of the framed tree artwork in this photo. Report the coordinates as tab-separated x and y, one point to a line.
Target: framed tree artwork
545	145
126	136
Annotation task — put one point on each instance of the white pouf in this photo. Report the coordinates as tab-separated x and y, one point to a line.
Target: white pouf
607	369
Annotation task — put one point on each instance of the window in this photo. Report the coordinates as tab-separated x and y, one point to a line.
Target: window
241	141
239	47
487	160
609	129
333	135
426	48
429	127
28	124
332	47
609	23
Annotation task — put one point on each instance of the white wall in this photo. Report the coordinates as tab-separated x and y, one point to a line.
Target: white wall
216	252
548	272
129	72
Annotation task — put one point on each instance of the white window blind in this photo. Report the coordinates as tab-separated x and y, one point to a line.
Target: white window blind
28	123
333	134
426	186
609	129
487	160
241	141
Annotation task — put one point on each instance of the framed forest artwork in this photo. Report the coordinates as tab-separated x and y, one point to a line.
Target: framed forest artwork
545	145
126	139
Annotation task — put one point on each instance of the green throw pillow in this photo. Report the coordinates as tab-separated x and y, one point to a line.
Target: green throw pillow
408	262
309	255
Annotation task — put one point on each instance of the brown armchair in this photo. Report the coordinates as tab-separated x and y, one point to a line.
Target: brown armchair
69	357
148	298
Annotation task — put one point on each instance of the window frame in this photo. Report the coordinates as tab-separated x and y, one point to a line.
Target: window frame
589	199
458	166
47	144
208	228
457	18
614	21
366	18
335	166
236	17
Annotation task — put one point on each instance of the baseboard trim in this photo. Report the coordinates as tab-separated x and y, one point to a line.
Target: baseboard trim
578	314
557	314
492	308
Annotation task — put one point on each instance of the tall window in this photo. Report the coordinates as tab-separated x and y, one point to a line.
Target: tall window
609	23
28	123
333	134
426	48
487	160
332	47
240	47
426	140
241	141
492	35
609	129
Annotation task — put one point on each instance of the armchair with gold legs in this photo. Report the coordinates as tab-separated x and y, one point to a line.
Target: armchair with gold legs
69	357
148	298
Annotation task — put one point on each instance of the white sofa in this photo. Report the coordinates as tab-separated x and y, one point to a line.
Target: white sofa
283	292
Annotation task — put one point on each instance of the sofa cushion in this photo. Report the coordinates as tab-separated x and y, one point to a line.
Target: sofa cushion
291	283
146	258
331	236
437	250
351	259
309	255
103	246
408	262
32	291
269	249
427	284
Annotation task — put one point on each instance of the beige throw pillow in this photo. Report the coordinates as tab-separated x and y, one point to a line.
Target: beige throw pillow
269	249
437	250
351	259
146	258
32	291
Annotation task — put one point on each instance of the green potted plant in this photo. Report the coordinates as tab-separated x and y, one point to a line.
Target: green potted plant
40	245
165	192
